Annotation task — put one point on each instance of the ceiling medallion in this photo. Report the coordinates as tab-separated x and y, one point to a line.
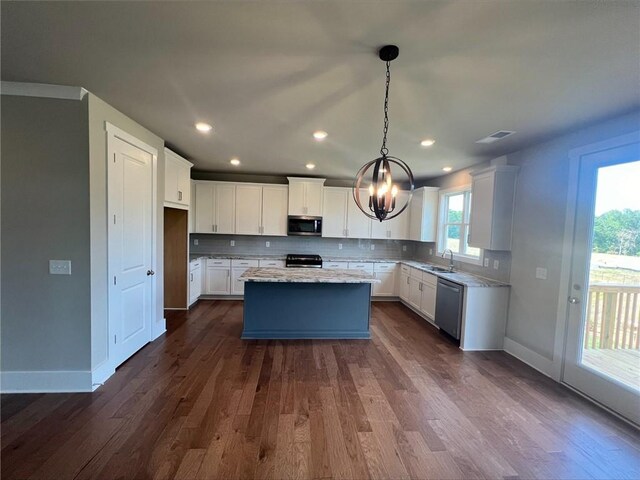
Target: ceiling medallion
377	174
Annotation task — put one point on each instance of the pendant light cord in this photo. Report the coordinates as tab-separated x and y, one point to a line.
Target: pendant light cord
384	151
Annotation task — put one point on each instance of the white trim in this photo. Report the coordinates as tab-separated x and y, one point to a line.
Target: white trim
460	257
101	374
178	157
159	328
122	135
46	382
562	312
528	356
42	90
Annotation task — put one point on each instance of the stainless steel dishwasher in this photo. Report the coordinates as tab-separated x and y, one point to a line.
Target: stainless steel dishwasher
449	297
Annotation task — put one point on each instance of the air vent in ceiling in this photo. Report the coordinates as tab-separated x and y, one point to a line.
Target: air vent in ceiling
494	137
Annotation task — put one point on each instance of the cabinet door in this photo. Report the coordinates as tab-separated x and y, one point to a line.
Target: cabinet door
237	287
399	226
313	199
379	229
296	198
184	184
195	284
415	216
415	293
481	211
170	179
248	209
334	213
404	287
224	208
274	210
204	220
217	281
386	287
428	300
358	224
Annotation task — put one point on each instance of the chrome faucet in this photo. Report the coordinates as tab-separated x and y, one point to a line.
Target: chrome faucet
450	258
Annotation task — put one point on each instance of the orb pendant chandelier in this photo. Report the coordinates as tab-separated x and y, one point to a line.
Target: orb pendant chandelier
380	176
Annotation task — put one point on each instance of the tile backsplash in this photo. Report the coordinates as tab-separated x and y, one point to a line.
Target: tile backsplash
326	247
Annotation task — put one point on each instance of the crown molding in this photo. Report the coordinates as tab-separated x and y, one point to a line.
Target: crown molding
42	90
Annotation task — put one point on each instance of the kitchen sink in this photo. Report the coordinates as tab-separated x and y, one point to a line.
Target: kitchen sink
439	269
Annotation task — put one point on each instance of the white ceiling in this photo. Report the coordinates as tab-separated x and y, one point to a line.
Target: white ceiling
267	74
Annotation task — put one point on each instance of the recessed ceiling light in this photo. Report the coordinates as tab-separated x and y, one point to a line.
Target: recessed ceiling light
446	169
310	166
427	142
203	127
235	162
320	135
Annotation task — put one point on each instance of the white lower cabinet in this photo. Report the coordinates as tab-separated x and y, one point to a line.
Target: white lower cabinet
271	263
195	280
415	292
334	265
386	273
428	297
218	277
238	267
403	290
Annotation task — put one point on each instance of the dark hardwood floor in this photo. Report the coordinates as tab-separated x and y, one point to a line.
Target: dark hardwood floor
199	403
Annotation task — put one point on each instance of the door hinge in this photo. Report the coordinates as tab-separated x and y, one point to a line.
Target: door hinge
114	280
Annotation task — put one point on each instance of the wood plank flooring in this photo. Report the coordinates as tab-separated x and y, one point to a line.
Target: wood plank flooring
199	403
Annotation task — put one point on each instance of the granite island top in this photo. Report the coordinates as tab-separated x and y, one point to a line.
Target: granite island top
306	275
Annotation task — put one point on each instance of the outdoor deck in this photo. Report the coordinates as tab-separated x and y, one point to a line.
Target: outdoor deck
622	364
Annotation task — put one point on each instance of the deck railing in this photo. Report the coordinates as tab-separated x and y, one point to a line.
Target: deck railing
613	316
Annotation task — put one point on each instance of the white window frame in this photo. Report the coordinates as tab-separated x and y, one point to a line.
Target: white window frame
442	215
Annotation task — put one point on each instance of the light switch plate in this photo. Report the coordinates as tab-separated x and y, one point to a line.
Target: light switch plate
373	247
60	267
195	241
339	246
486	262
233	243
267	244
496	264
541	273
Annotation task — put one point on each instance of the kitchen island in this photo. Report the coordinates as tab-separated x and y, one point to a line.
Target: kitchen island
306	303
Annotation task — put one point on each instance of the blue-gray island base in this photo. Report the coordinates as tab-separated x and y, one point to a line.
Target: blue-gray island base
297	303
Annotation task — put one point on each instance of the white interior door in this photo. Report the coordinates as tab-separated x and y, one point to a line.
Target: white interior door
130	249
602	355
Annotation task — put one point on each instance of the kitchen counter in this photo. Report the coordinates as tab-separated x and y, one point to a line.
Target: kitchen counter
463	278
306	275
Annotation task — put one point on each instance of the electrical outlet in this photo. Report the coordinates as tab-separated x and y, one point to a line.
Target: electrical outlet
339	246
541	273
486	262
431	251
233	243
404	248
195	241
373	247
60	267
267	244
496	264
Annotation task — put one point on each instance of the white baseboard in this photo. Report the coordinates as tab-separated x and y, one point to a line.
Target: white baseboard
158	329
46	382
528	356
101	374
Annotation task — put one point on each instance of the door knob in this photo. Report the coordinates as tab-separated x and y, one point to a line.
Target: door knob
574	300
150	272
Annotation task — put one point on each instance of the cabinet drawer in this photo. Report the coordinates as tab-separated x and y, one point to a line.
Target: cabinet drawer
244	263
271	263
384	267
218	262
193	264
367	267
429	278
344	265
405	269
416	273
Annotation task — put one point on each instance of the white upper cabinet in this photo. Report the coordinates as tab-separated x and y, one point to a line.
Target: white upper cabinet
248	209
341	217
305	196
397	228
275	200
177	180
423	215
215	207
492	196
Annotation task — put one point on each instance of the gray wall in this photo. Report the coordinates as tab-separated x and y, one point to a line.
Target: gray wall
326	247
99	113
45	215
538	231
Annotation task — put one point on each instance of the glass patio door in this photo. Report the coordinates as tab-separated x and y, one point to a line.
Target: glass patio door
602	356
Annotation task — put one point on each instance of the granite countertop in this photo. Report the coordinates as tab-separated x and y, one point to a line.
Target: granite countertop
306	275
228	256
463	278
360	260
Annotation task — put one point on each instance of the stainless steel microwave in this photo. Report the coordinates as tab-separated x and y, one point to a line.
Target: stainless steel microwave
302	225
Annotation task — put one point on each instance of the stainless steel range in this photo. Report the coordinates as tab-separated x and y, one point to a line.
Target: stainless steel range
304	261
